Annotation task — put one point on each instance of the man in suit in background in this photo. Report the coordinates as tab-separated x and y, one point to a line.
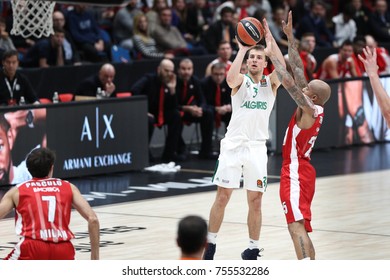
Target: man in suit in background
160	89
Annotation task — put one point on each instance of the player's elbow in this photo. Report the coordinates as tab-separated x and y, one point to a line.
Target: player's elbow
93	220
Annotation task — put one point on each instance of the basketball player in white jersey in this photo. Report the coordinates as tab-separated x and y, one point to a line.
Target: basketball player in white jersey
243	150
297	182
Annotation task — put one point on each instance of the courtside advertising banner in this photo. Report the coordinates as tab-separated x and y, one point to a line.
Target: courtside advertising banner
89	138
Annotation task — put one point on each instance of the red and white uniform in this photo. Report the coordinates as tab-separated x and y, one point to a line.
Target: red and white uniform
297	182
343	68
383	61
42	220
308	61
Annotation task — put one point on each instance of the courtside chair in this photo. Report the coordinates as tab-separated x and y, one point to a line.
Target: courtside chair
123	94
66	97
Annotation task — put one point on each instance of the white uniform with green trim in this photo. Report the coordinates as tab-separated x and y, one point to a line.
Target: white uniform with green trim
243	150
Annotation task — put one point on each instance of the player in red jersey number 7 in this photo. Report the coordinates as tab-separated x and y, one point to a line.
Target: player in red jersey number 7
43	207
297	180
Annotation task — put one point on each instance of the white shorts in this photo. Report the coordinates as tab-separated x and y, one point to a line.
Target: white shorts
249	160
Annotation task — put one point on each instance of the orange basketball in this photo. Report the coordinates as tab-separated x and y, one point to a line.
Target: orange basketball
249	31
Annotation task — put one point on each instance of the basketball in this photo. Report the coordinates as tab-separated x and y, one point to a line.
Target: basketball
249	31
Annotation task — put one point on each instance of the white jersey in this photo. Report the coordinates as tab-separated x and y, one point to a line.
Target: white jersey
251	108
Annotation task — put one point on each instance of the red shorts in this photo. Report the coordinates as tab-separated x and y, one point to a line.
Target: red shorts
297	186
31	249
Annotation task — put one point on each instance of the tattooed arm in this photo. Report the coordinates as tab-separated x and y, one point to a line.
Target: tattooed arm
273	76
288	82
290	85
293	54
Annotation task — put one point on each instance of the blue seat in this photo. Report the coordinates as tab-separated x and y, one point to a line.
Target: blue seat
120	55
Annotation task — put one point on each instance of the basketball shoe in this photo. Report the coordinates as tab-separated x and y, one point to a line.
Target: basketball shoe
210	251
251	254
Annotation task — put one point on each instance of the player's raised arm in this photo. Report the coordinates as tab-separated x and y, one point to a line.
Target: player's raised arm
293	54
234	78
284	76
370	64
275	80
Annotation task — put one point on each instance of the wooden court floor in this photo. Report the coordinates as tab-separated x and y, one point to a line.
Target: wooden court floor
351	221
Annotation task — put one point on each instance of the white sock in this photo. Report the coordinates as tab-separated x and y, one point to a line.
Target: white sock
306	259
212	237
253	244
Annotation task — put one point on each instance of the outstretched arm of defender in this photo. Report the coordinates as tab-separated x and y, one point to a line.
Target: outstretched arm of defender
293	54
286	79
371	67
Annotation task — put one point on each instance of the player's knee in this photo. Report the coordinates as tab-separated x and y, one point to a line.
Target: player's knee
296	228
222	199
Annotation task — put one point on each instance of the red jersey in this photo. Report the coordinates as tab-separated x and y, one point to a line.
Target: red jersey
298	143
44	210
297	178
382	59
343	68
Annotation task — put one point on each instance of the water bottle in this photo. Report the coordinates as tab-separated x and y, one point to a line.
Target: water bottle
22	101
56	98
99	93
104	94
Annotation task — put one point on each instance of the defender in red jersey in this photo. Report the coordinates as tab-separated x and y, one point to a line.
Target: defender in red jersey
42	213
297	182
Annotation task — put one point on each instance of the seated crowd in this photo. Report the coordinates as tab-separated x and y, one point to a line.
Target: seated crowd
182	30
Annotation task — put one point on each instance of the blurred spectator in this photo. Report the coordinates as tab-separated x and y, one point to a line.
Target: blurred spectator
255	5
160	89
379	22
350	94
179	17
123	29
87	35
382	55
21	43
70	50
244	67
299	9
103	80
199	17
359	42
276	27
193	108
306	48
48	52
361	16
224	54
315	23
6	43
153	14
144	44
344	25
169	38
104	16
339	65
217	94
223	29
241	7
13	84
